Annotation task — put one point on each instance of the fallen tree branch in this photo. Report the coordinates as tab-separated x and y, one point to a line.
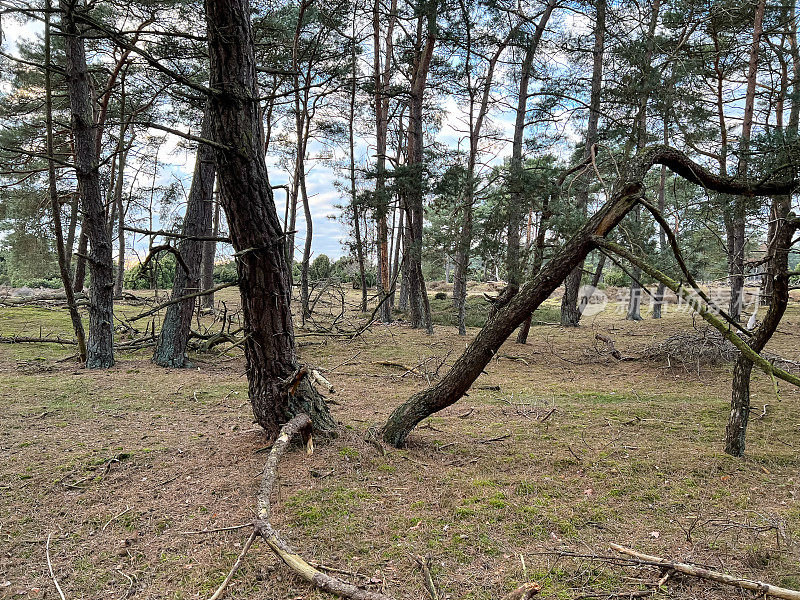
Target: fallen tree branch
235	567
180	236
302	424
50	567
694	571
705	312
21	339
163	305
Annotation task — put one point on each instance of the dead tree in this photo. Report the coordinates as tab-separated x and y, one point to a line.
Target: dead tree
279	387
174	337
625	195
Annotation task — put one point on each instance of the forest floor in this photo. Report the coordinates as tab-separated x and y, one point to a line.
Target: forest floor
558	448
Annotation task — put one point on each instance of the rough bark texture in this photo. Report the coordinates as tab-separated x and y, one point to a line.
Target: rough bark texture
777	272
100	345
414	197
174	337
277	388
55	205
570	313
478	354
381	81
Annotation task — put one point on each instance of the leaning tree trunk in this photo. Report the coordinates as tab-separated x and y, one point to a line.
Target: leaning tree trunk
277	385
486	344
100	346
174	337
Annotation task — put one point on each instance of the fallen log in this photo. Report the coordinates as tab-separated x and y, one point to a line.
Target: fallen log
47	296
694	571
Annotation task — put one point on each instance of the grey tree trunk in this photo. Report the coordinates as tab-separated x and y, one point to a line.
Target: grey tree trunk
173	340
100	345
777	271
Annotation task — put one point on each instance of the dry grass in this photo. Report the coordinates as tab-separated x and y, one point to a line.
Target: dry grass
632	454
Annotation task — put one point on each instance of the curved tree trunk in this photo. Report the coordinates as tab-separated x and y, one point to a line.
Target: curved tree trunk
174	336
100	345
471	363
277	385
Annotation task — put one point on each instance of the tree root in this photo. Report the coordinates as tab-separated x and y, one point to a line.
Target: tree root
262	527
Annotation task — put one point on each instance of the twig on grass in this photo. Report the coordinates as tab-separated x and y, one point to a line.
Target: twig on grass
236	565
50	567
114	518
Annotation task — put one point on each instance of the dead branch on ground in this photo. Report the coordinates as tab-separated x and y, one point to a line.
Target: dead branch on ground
694	571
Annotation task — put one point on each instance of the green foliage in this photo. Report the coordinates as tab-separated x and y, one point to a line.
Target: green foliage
159	274
614	277
226	272
320	268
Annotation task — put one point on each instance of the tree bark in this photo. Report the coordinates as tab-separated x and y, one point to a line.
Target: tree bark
737	222
464	241
414	197
777	271
100	346
381	82
174	336
80	263
55	205
209	256
278	390
516	196
536	266
570	314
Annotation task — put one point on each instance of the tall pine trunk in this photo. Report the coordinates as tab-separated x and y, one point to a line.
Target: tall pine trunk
570	312
278	387
174	336
55	205
100	345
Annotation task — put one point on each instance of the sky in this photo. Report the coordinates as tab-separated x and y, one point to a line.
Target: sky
329	233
